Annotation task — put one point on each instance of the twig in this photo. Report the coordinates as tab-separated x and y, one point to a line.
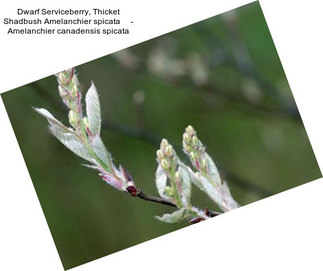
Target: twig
142	195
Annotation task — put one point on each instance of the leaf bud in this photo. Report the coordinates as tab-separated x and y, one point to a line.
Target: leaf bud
73	119
74	91
169	191
193	156
132	190
62	78
62	91
160	155
164	163
164	143
187	148
190	131
169	150
195	142
186	137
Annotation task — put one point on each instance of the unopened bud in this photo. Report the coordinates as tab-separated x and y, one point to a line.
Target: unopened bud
187	148
74	91
164	143
169	150
190	130
160	155
62	91
195	141
193	156
62	78
132	190
169	191
73	119
75	81
186	137
164	163
69	71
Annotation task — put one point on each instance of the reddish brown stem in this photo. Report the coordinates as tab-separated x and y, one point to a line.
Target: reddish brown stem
135	192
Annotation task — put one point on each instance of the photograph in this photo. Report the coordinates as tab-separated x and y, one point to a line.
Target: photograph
167	133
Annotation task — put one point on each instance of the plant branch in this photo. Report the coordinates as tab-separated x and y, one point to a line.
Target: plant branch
153	139
142	195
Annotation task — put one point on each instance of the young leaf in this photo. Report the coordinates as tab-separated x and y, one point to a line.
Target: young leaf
193	178
52	120
100	150
173	217
113	181
212	170
209	188
72	142
93	111
161	182
186	185
227	198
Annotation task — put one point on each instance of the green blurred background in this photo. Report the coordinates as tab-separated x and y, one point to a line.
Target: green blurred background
222	75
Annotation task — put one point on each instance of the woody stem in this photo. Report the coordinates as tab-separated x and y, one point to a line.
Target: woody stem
142	195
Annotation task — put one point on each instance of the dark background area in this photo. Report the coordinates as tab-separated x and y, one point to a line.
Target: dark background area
222	75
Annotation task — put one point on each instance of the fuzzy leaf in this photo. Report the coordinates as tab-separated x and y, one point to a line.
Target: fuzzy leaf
227	198
65	135
173	217
113	181
72	142
186	184
194	179
161	182
52	120
212	171
93	110
100	150
216	194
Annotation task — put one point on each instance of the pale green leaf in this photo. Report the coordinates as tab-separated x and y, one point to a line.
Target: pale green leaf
93	110
52	120
173	217
228	200
212	170
193	178
161	182
72	142
100	150
185	185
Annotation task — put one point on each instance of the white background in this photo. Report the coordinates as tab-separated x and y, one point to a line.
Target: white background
283	232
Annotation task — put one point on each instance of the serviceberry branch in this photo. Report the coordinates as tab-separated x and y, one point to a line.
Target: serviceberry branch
173	178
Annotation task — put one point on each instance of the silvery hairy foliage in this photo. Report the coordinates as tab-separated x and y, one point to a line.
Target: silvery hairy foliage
173	178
